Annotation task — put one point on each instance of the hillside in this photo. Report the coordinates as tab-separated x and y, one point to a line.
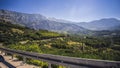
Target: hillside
18	37
12	33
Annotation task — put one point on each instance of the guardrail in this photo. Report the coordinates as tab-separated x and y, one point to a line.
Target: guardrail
70	62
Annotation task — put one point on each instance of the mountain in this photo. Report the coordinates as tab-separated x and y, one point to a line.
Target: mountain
37	21
59	20
103	24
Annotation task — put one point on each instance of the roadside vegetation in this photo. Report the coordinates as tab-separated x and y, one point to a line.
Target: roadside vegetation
47	42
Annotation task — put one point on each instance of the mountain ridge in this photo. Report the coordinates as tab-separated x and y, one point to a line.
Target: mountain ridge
37	21
102	24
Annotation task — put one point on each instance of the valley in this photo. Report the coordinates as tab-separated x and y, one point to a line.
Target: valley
60	33
19	37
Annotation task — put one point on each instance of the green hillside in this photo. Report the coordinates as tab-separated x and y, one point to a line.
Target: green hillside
13	33
42	41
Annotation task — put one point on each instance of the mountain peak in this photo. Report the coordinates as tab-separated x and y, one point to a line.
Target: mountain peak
102	24
37	21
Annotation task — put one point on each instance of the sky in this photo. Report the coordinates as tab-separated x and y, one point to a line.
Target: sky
72	10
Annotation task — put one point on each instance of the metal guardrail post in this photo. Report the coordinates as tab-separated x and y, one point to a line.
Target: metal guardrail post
1	52
24	60
12	56
49	65
68	67
5	53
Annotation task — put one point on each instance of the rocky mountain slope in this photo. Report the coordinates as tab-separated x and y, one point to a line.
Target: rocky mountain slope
37	21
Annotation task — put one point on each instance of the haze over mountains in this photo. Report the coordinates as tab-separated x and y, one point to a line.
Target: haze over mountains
102	24
37	21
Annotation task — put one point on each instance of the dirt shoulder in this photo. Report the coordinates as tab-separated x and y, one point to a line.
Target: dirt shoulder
16	63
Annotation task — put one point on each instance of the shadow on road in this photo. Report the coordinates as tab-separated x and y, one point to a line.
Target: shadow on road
6	63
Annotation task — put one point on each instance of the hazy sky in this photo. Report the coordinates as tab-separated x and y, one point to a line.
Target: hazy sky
73	10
